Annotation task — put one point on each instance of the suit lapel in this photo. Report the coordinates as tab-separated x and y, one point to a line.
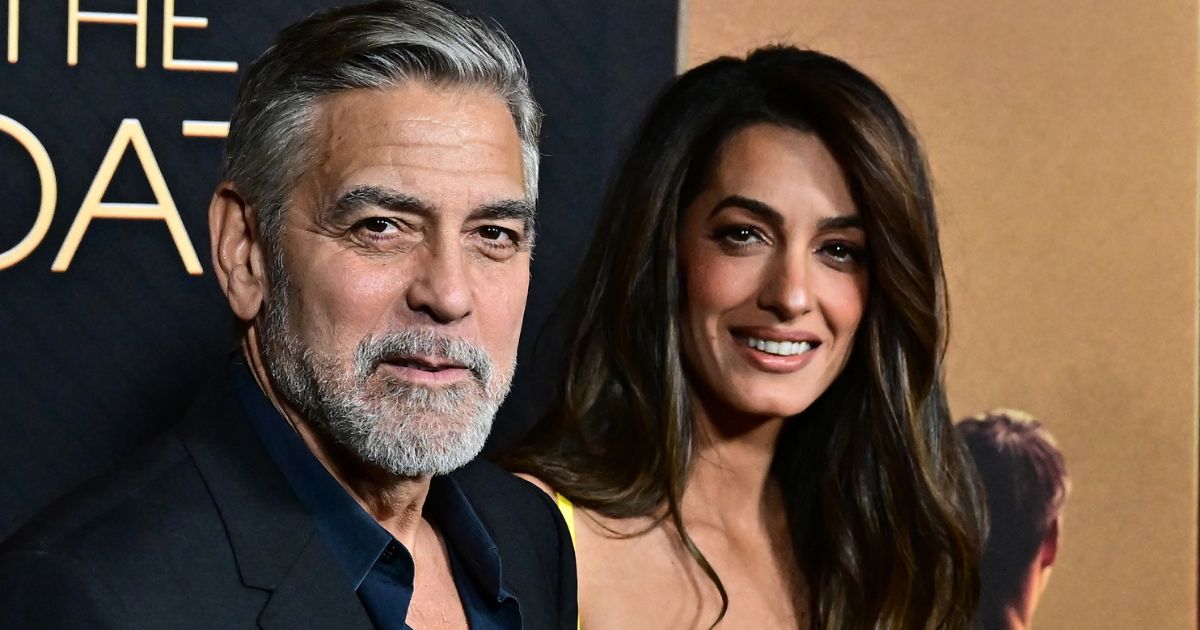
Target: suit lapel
272	536
313	594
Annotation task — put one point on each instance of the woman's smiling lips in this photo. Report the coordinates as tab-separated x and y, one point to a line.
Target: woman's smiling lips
775	351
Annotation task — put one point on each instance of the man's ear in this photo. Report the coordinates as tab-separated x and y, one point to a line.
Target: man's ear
1049	551
237	252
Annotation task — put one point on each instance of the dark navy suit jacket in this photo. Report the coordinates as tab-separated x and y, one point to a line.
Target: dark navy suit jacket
201	530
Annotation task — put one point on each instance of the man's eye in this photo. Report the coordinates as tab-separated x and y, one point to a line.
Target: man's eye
497	235
378	226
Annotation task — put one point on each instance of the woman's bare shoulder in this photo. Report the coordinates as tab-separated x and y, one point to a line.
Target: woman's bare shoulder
593	522
541	484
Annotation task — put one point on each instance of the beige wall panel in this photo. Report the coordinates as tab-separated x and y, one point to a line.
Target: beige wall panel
1063	141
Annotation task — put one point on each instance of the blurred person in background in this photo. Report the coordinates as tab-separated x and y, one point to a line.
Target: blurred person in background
1026	482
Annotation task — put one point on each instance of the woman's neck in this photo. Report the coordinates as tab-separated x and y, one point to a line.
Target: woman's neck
730	485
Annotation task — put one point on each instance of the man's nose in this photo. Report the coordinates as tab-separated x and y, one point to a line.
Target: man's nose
441	287
785	290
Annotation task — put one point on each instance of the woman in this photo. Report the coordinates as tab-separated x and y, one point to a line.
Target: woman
753	428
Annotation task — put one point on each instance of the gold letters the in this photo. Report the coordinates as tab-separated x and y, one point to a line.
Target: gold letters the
170	23
75	16
130	132
49	183
14	22
205	129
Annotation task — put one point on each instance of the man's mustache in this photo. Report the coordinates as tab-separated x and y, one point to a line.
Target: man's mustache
376	350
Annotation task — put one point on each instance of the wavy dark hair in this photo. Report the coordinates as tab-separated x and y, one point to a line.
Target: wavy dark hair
883	506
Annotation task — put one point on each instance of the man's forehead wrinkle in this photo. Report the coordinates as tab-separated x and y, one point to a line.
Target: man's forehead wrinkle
466	109
421	149
420	109
447	147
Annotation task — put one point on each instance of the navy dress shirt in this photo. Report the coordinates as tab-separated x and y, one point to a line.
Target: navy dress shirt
376	565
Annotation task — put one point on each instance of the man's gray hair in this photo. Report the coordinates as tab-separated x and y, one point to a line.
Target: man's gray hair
369	46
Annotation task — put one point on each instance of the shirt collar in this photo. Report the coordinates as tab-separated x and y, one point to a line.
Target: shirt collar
448	507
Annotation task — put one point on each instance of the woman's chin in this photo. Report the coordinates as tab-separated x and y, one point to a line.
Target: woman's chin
765	408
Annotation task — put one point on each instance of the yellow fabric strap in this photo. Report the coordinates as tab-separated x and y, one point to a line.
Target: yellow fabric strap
568	511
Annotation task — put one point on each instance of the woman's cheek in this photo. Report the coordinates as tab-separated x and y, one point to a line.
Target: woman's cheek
719	283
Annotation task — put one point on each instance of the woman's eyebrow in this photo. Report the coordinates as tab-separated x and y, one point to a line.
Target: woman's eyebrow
753	206
771	215
841	222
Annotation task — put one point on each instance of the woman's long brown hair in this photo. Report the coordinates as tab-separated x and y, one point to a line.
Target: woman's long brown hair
884	511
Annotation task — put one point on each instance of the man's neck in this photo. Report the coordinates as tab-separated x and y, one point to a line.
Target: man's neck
394	502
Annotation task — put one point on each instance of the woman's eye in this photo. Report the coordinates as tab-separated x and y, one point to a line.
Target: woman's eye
740	235
842	252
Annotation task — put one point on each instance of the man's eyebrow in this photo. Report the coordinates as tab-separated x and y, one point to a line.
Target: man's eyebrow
774	217
396	201
508	209
377	196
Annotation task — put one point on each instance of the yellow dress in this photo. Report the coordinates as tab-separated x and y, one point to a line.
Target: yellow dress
568	511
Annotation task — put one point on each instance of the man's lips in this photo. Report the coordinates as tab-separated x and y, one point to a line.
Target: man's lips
427	364
426	370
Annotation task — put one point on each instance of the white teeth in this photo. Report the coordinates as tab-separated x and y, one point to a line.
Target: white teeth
780	348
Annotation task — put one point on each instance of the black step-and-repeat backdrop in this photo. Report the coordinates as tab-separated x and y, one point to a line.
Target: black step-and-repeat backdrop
111	119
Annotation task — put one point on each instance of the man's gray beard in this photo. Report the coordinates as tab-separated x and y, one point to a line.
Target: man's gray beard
406	429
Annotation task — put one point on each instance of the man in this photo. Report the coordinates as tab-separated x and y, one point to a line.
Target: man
1025	477
373	236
